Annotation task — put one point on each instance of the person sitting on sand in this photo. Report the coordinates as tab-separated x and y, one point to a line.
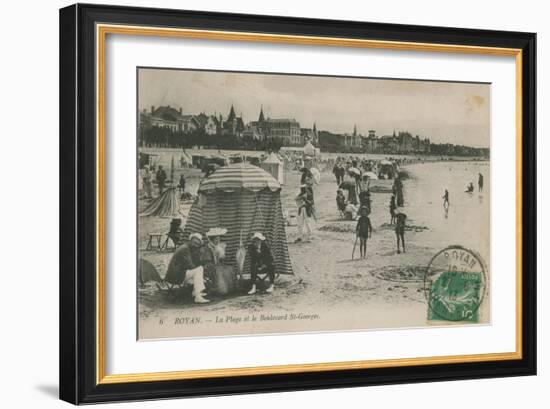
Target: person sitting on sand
400	219
261	262
341	202
363	231
186	267
470	188
176	232
351	211
392	209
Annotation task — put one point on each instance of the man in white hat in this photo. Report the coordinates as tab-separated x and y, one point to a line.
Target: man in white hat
261	262
186	267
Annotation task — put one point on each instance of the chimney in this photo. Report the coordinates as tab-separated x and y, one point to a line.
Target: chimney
180	110
152	108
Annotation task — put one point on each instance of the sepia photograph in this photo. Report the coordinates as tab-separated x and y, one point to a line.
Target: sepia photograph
290	203
256	203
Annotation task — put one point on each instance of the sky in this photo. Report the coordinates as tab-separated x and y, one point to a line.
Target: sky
445	112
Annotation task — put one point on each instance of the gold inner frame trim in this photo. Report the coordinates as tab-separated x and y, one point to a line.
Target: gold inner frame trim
102	30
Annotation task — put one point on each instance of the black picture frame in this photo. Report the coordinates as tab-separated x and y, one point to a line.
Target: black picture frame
78	360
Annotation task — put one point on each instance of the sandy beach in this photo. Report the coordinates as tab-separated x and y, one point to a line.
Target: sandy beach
330	291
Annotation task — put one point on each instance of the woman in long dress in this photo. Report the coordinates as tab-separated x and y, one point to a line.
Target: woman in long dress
398	191
147	186
305	213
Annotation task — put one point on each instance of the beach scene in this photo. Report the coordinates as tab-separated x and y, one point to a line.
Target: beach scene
271	227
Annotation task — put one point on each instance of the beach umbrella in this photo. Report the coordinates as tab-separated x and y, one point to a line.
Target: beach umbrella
238	176
386	162
370	175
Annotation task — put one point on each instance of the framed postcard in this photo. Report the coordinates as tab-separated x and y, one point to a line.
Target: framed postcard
257	203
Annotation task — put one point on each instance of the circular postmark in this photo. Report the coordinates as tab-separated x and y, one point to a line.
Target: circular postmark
455	283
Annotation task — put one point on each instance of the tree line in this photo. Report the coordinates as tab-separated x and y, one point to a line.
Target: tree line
158	137
153	136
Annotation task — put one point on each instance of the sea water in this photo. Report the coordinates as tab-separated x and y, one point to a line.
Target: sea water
466	221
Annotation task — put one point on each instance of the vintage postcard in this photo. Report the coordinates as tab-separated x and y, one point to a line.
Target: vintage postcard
283	203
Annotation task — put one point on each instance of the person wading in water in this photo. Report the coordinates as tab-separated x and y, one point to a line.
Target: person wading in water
446	199
480	182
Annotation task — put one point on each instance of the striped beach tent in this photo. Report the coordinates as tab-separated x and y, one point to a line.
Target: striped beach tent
166	205
243	199
239	176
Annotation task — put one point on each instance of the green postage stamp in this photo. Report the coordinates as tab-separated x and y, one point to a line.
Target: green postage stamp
455	285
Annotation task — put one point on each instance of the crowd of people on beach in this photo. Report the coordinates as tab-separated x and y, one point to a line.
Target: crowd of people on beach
150	176
147	174
354	177
195	260
353	200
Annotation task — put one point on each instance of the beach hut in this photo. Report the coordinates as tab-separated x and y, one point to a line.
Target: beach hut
146	159
243	199
274	166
